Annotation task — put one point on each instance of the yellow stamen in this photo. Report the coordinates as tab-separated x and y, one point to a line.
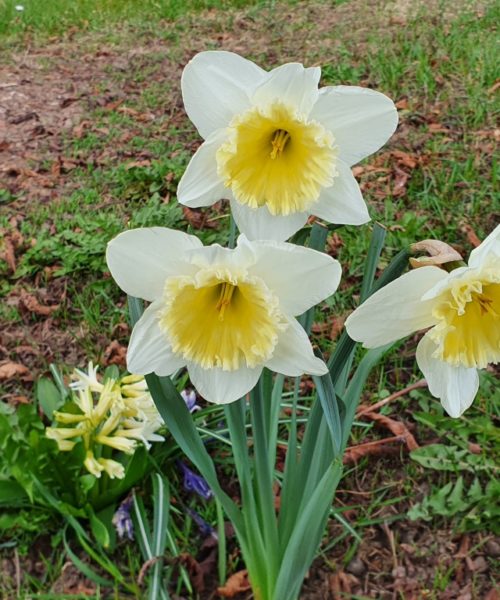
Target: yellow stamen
225	296
279	141
486	305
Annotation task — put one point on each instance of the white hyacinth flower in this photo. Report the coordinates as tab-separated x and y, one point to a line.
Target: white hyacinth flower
276	146
224	314
462	309
83	380
117	413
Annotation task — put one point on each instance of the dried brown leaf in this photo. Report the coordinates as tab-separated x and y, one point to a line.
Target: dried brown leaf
137	163
9	254
404	159
474	448
337	326
376	448
195	570
494	87
197	218
400	181
115	354
236	584
11	369
471	235
396	427
79	129
31	303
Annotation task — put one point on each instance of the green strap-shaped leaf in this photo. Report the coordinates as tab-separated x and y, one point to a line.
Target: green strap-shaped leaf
306	536
83	567
328	400
376	245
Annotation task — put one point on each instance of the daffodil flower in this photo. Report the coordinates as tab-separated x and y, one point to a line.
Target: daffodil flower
225	314
462	310
276	146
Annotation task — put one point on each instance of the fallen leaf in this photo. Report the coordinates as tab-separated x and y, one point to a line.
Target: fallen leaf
474	448
337	326
471	235
494	87
15	400
11	369
128	111
31	303
79	129
145	568
65	102
340	585
396	427
399	188
197	218
137	163
463	550
438	128
113	105
404	159
236	584
8	254
115	354
402	104
376	448
334	243
196	575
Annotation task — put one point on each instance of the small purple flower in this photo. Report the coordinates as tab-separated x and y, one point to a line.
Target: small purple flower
195	483
190	400
205	529
123	521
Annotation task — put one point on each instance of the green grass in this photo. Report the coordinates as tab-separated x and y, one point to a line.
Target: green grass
57	16
127	167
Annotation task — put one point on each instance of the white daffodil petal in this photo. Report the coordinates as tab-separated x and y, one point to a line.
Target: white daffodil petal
396	310
148	349
216	85
223	387
200	185
294	355
456	387
291	84
362	120
301	277
490	246
237	259
259	223
141	259
342	203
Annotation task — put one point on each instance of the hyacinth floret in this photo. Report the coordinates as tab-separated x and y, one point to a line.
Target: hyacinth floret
114	414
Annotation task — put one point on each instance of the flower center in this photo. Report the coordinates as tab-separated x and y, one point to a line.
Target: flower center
277	159
279	142
468	329
216	320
